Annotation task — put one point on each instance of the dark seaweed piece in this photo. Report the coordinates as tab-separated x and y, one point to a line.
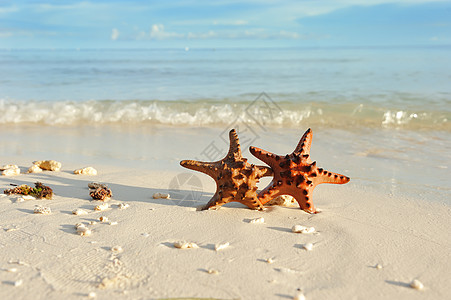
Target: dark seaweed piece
39	191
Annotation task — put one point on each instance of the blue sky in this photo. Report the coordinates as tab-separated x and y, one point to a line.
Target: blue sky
223	23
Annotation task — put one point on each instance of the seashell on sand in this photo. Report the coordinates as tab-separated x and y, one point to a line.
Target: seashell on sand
270	260
302	229
283	200
308	246
117	249
378	266
84	231
43	210
86	171
161	196
219	247
103	219
101	207
10	170
11	270
212	271
79	225
34	169
18	282
416	284
49	165
113	223
185	245
123	205
79	212
299	296
257	220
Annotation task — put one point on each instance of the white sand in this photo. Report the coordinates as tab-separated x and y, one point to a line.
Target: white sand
358	229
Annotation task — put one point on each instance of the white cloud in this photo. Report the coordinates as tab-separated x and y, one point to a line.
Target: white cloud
114	34
230	22
157	32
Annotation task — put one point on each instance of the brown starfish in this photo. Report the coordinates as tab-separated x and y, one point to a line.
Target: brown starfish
295	174
236	179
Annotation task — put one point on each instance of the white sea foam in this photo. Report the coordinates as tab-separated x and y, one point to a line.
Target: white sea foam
219	113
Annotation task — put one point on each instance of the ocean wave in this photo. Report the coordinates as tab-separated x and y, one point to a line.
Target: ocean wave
261	112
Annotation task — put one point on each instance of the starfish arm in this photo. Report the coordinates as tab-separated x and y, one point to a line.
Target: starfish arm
208	168
235	148
305	143
330	177
304	199
265	156
269	193
265	171
214	203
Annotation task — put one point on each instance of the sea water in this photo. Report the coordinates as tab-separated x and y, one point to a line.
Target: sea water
380	115
344	87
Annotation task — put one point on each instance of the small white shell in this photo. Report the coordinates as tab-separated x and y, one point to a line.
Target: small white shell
283	200
86	171
299	296
308	246
113	223
221	246
185	245
378	266
212	271
79	211
34	169
18	282
101	207
117	249
416	284
10	170
257	220
92	295
11	270
270	260
79	225
43	210
123	205
103	219
302	229
84	231
161	196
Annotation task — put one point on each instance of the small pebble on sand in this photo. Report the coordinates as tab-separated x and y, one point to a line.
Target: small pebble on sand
260	220
185	245
161	196
416	284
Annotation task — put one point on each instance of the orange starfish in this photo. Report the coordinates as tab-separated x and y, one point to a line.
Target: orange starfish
295	174
236	179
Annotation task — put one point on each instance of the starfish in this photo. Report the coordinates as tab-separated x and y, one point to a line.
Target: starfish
295	174
236	179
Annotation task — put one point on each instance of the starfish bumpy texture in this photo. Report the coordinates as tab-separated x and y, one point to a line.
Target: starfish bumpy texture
295	174
236	179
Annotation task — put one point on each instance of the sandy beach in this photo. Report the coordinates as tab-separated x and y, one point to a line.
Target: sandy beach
370	241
